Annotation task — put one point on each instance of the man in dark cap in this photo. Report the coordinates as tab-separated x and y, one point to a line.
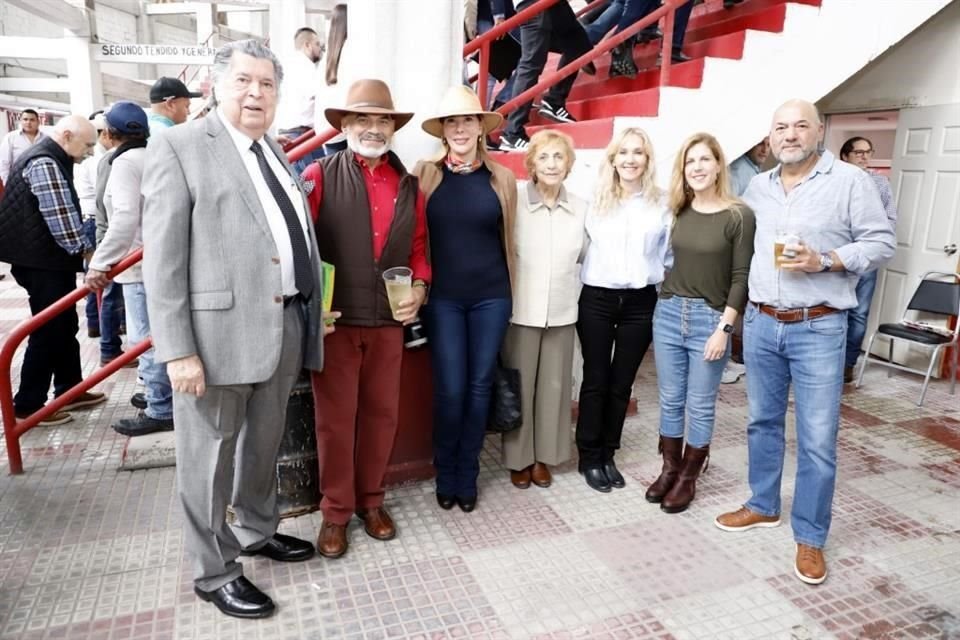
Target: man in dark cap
169	103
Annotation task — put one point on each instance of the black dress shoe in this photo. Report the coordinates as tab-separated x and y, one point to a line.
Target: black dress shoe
679	56
613	475
240	599
467	503
446	501
596	479
283	549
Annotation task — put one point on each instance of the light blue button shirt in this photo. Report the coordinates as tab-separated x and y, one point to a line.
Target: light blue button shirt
742	171
836	207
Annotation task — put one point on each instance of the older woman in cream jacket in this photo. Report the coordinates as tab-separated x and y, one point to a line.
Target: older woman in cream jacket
550	238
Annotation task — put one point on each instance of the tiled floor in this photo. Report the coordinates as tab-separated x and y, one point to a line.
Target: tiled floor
89	552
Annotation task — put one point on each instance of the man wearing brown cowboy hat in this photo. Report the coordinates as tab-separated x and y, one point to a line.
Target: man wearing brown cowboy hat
369	216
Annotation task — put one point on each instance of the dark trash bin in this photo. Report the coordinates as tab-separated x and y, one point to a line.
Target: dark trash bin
298	476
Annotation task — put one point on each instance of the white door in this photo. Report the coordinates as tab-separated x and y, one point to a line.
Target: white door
925	176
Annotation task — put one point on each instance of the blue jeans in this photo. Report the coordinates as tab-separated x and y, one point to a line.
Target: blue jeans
605	21
687	382
808	354
157	385
110	316
857	317
465	338
300	165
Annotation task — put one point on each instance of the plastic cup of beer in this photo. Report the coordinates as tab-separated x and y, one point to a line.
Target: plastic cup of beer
399	282
781	240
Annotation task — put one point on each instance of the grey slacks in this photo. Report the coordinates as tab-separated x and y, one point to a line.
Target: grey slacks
227	443
545	360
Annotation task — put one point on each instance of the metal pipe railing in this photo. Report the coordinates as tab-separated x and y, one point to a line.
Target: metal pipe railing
13	428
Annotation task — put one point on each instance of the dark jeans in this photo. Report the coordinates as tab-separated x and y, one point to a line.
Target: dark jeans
305	161
52	350
109	318
465	339
557	30
634	10
618	321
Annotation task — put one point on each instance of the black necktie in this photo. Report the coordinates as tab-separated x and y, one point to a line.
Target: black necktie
302	272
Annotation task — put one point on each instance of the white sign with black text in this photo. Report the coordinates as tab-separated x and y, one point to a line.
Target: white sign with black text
154	53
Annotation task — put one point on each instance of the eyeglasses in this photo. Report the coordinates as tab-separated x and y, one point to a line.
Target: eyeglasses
862	153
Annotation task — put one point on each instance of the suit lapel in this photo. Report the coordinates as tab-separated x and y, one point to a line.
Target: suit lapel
223	149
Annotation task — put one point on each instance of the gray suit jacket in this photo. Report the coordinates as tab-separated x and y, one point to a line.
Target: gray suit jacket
211	268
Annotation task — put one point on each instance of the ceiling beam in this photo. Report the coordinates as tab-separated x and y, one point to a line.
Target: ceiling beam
59	12
27	47
36	85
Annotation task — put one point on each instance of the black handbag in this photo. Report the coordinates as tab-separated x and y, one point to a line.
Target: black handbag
505	404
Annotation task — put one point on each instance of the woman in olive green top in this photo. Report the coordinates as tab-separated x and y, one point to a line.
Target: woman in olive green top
701	297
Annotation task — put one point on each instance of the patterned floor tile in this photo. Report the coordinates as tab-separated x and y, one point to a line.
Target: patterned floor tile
551	584
860	602
917	495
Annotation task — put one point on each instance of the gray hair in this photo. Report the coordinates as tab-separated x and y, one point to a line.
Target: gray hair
253	48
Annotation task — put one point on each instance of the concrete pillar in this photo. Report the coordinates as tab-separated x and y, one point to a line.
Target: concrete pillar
418	68
86	87
285	18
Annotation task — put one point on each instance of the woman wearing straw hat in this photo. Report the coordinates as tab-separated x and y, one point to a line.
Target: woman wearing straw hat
471	203
550	243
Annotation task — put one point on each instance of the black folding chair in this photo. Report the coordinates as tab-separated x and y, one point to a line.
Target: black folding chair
934	295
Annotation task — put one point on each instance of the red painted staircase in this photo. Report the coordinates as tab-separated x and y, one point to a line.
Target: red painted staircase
713	32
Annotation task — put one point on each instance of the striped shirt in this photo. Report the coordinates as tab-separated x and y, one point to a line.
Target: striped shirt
835	207
886	197
57	206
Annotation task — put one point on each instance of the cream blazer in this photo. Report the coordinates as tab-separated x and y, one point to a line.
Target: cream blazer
550	244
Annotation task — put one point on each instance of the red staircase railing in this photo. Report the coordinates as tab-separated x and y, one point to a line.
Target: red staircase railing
13	428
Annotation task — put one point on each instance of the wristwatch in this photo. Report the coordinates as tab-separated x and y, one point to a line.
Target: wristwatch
826	262
726	327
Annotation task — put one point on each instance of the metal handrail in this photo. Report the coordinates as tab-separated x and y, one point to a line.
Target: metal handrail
13	428
667	10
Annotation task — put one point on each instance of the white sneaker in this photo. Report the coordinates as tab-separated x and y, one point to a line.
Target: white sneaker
732	372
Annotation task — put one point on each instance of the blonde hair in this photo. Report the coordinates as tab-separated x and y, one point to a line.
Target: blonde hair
610	192
542	139
681	195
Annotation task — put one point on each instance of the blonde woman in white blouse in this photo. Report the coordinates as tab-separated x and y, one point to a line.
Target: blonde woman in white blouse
628	229
549	237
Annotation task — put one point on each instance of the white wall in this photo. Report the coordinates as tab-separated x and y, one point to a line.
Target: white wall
922	70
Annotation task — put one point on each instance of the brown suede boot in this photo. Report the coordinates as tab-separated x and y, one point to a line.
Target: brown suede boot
672	450
685	488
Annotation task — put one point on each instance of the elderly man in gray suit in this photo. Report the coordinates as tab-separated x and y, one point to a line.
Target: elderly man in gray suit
232	273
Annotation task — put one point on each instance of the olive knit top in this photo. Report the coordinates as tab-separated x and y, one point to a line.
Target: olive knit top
712	253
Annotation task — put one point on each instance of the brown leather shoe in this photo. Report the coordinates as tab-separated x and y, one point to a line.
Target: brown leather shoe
743	520
672	451
811	566
378	523
332	541
540	475
683	491
520	479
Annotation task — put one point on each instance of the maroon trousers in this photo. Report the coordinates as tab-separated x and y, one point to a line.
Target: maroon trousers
357	399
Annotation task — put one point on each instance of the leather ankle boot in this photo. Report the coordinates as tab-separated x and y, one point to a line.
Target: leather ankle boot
672	451
685	488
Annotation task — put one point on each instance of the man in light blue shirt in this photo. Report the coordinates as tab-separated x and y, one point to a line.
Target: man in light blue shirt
744	168
795	325
858	151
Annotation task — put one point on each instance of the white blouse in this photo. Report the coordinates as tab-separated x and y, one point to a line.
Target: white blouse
629	245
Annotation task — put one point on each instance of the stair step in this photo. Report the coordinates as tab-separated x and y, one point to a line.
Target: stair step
632	103
715	11
686	74
512	160
587	134
769	19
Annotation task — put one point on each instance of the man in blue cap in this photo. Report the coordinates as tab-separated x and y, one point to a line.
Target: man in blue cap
128	128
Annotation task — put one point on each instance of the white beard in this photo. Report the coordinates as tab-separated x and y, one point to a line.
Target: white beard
364	151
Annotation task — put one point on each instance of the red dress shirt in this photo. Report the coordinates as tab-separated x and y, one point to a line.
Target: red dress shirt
383	185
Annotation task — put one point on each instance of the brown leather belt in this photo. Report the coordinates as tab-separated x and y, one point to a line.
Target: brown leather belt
796	315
